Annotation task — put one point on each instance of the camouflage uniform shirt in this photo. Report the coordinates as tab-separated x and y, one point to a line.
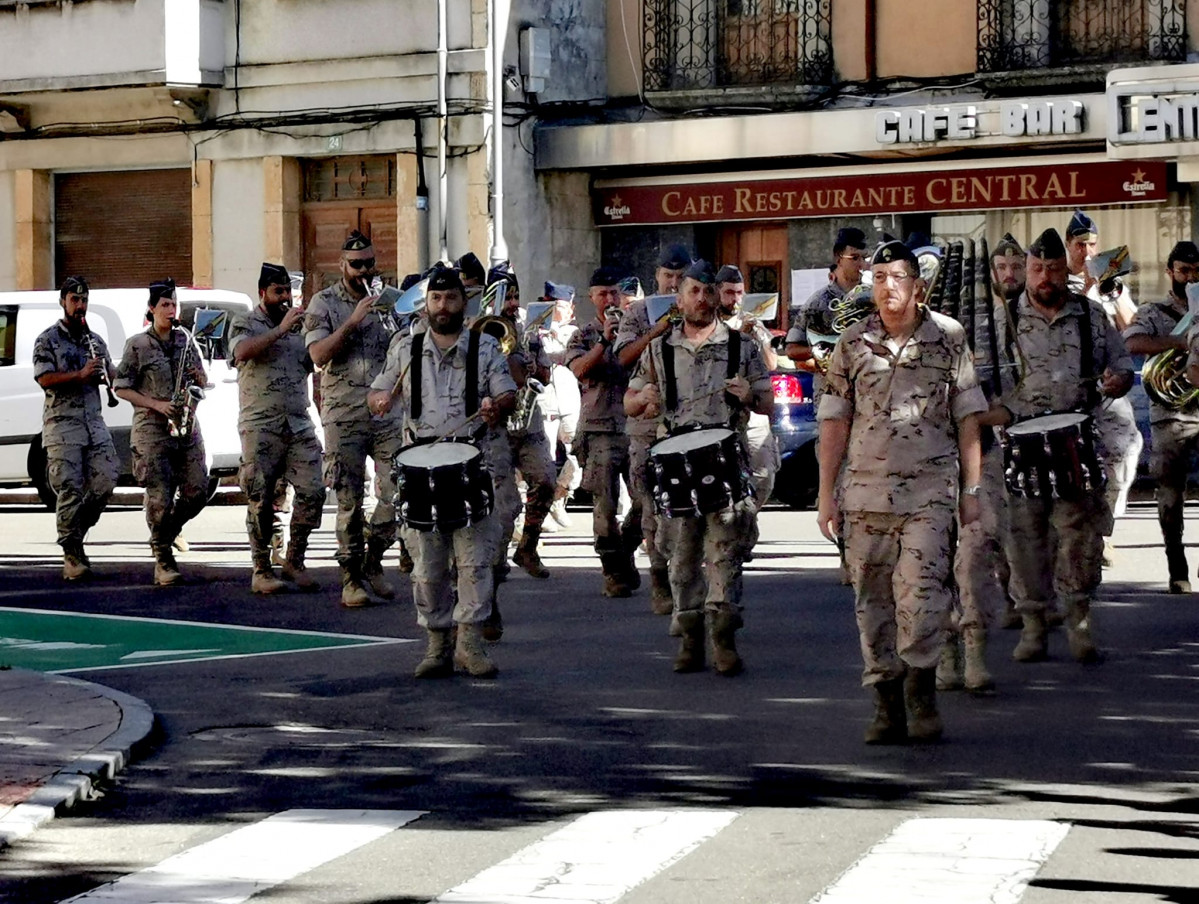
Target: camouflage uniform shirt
149	365
904	404
71	415
273	388
1154	319
603	388
1053	349
347	378
633	326
443	383
700	372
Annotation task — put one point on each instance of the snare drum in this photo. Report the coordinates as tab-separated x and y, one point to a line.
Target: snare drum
698	472
442	486
1053	457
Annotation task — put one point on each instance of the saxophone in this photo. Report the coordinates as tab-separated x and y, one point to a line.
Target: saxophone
187	395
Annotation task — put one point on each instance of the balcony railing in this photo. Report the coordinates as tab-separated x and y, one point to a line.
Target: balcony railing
1036	34
699	44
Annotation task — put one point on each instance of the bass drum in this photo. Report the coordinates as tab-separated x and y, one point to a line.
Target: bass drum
698	472
442	486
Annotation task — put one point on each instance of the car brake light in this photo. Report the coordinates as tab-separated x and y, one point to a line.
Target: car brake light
787	388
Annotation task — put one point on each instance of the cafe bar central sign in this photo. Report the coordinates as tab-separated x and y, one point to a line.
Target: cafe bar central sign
927	191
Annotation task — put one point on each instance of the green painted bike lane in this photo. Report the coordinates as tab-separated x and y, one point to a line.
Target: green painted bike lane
76	642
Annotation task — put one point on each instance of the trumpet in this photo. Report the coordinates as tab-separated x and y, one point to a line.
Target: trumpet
113	401
187	395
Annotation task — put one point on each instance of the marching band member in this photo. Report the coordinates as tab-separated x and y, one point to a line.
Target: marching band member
704	357
348	340
602	444
69	363
278	438
815	314
439	361
1060	341
157	368
900	408
1174	429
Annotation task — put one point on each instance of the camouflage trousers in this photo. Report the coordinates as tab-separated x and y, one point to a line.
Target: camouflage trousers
899	568
175	475
1055	546
347	446
605	461
706	555
1121	442
83	477
1174	444
764	464
642	504
473	551
529	454
269	462
980	567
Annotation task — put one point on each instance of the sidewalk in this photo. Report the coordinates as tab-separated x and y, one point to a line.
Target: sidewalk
58	735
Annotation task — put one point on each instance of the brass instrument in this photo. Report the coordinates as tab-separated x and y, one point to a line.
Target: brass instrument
521	417
187	395
498	328
1165	375
844	312
113	401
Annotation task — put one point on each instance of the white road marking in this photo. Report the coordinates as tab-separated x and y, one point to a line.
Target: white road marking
230	869
955	861
597	858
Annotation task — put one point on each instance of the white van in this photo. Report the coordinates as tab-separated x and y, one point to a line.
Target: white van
115	314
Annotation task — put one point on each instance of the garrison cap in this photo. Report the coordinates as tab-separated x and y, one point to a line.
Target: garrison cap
410	280
1007	247
161	288
558	292
701	271
273	275
849	237
471	267
1184	252
674	257
729	273
894	250
1081	224
356	241
443	279
605	276
73	284
1048	246
503	272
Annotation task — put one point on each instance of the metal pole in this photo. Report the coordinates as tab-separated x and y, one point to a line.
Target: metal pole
443	176
499	29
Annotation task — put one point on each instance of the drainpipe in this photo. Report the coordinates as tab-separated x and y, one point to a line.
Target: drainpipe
498	28
422	199
871	31
443	176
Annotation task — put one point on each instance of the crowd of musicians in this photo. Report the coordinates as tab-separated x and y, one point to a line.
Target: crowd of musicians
967	483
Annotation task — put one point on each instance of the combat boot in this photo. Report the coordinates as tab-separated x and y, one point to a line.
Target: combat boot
373	571
492	627
949	667
690	657
615	585
661	600
264	581
1011	618
722	628
470	656
526	554
977	677
1176	562
1078	632
439	655
75	566
890	722
1033	645
920	697
353	594
293	568
166	572
277	557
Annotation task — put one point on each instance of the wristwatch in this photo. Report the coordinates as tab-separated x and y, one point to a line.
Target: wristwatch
972	491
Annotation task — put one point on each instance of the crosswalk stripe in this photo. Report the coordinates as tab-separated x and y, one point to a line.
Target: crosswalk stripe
229	869
956	861
597	858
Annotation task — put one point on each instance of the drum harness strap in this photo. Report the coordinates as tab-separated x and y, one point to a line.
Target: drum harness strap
1086	352
671	394
472	374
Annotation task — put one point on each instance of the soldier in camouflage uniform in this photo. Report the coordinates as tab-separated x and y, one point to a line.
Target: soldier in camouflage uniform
706	549
278	438
69	363
1056	544
441	412
1174	430
601	443
348	339
900	409
165	465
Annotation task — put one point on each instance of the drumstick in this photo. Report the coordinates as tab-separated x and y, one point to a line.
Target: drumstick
449	433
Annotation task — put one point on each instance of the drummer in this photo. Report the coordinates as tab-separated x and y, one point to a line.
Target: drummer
1064	356
717	379
447	355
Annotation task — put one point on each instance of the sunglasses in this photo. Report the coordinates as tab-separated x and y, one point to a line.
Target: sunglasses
364	264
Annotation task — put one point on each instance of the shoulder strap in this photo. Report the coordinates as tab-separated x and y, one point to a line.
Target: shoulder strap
472	373
671	387
1087	355
416	367
734	363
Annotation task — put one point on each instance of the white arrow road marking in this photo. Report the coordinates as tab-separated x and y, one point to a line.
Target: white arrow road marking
949	861
597	858
158	654
229	869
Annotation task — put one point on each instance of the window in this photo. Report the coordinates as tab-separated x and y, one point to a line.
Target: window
8	336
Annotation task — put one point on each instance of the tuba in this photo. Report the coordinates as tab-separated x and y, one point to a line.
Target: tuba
1165	375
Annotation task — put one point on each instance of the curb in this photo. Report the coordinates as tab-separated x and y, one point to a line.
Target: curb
75	781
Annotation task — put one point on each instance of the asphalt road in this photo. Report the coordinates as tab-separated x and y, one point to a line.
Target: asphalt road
767	790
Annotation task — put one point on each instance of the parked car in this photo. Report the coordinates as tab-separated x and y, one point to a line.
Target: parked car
794	429
115	314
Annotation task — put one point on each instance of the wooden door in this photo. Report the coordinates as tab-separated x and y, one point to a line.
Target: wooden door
761	251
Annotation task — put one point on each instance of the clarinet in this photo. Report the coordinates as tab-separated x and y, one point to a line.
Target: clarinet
113	401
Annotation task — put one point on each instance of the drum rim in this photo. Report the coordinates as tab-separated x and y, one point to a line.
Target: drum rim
1028	427
475	450
726	433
